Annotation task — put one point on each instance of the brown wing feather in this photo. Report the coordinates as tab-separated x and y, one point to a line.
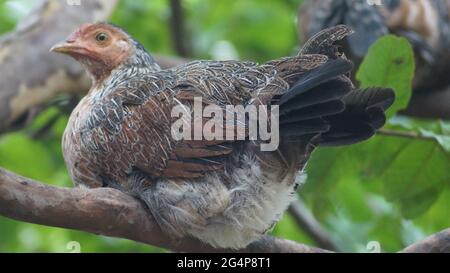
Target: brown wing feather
130	128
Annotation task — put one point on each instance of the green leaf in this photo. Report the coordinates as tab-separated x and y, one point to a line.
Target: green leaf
326	168
437	217
387	230
411	172
389	63
352	199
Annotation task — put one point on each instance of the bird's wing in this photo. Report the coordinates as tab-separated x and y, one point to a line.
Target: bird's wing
132	128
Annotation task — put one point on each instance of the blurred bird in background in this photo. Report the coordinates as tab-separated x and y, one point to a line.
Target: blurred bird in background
425	23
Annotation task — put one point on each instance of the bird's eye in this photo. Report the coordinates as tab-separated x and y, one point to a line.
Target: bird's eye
101	37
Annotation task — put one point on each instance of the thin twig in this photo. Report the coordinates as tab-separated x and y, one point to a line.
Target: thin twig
411	135
405	134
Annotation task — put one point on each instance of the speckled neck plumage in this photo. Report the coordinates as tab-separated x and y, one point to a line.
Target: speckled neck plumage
141	63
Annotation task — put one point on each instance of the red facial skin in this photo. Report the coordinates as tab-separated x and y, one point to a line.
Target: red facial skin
100	48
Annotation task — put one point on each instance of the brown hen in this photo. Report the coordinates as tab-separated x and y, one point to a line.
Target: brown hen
226	193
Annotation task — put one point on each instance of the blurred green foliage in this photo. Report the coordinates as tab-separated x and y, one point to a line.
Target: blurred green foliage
394	190
11	11
258	29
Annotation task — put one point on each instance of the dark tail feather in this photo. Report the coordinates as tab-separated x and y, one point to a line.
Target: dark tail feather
307	127
310	79
316	94
314	111
322	103
363	115
326	92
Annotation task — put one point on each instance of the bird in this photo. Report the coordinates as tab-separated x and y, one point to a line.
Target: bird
226	193
424	23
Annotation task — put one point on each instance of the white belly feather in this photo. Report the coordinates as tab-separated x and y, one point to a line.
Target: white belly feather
224	214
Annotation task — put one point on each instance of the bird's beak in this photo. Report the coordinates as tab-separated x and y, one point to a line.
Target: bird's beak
74	49
64	47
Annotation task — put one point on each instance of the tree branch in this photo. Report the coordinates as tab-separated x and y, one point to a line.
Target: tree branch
107	212
113	213
436	243
310	226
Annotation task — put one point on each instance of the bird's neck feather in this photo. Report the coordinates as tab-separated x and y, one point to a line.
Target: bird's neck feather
139	63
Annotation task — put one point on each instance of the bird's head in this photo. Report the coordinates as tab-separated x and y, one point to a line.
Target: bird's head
102	48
